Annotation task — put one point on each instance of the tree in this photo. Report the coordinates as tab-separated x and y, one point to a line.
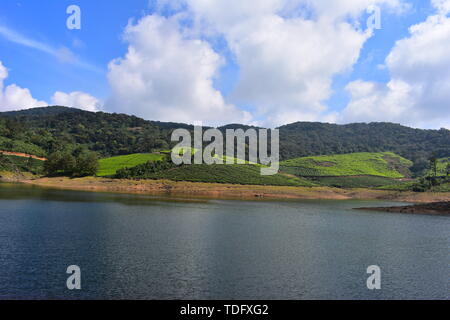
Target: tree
86	164
51	166
433	165
2	159
420	167
59	163
14	128
29	163
447	169
83	163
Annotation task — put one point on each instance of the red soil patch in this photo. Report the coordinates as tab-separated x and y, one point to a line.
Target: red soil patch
22	155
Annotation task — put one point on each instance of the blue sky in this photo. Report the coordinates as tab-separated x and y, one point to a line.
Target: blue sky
100	40
376	49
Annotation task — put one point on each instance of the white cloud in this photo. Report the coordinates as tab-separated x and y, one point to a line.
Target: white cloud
3	73
168	76
13	97
288	51
76	99
443	6
287	65
418	93
353	8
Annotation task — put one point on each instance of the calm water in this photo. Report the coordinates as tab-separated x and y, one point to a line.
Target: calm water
136	247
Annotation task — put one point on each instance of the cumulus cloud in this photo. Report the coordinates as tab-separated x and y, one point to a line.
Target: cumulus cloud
288	51
168	76
77	99
287	72
13	97
418	93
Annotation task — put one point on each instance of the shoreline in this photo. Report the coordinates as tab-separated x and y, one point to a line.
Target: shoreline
230	191
435	208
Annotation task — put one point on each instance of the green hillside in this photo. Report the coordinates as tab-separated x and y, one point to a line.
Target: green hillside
7	144
232	174
385	164
109	166
52	129
20	164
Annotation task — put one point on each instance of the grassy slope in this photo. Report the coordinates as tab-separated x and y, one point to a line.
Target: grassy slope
232	174
19	164
249	174
384	164
7	144
109	166
359	170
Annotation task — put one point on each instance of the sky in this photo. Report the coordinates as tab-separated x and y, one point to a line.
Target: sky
265	62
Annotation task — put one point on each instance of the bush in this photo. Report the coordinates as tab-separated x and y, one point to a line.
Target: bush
78	163
144	170
86	164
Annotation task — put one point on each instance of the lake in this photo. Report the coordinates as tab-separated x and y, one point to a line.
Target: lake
141	247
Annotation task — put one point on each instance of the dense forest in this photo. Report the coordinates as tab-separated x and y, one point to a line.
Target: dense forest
43	131
55	128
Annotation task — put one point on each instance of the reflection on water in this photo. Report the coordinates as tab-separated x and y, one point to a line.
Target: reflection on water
141	247
12	191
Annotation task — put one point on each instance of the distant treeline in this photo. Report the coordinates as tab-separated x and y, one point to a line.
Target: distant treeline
43	131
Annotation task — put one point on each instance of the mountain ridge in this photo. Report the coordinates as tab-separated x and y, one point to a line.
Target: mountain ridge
55	110
110	134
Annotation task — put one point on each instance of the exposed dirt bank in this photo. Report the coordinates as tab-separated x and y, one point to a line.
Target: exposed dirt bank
435	208
229	191
22	155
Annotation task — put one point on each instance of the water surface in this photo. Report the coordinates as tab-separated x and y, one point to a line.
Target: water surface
139	247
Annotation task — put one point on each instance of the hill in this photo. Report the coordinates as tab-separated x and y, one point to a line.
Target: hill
52	128
20	164
304	139
385	164
231	174
14	145
109	166
356	170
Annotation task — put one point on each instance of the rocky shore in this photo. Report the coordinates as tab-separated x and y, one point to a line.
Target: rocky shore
435	208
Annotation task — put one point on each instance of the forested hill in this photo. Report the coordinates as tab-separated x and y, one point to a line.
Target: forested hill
54	128
44	130
307	139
